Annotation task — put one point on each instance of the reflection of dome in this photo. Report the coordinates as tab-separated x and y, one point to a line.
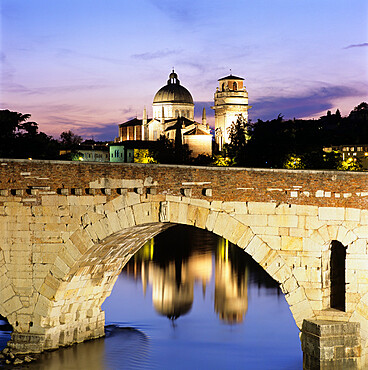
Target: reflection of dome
173	92
174	310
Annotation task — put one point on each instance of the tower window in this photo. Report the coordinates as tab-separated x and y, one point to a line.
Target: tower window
235	86
223	87
337	275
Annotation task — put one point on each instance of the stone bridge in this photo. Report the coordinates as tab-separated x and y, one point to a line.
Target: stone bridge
68	228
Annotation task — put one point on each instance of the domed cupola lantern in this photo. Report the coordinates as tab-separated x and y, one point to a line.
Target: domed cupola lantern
173	100
173	78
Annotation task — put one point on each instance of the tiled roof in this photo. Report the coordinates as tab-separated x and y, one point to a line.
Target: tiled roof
231	77
133	122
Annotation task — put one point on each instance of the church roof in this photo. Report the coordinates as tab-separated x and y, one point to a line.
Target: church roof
133	122
196	131
178	121
173	92
231	77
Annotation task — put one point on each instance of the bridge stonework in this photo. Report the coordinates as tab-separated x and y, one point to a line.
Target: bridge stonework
67	229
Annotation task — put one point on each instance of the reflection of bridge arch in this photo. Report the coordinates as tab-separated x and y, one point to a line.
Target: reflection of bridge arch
291	243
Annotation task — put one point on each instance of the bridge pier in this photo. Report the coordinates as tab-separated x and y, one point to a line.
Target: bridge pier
331	345
58	336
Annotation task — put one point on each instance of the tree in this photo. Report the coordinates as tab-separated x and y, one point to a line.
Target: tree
362	106
350	164
238	139
143	156
221	161
69	140
11	122
360	113
19	138
294	162
178	142
164	151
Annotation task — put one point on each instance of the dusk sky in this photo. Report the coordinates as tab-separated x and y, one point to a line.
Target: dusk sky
88	65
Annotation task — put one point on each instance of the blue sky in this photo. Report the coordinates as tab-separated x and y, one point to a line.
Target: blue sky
87	65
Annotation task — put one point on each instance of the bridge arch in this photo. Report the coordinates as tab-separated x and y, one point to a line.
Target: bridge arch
68	307
280	237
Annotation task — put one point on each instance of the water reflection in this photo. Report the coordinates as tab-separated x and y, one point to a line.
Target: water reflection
173	270
122	348
231	285
5	332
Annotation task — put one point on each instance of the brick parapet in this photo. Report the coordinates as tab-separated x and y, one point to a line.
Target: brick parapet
32	179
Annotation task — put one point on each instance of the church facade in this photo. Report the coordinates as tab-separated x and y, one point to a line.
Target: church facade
173	110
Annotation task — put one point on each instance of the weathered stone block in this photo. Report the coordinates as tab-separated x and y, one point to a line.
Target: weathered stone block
252	220
290	243
331	213
261	208
282	220
221	223
211	220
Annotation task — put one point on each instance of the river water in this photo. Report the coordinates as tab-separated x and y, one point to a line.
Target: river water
188	300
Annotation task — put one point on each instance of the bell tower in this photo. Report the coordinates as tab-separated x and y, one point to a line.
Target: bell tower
231	100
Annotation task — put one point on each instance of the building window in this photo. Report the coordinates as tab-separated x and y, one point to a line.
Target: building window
235	86
176	113
337	275
223	87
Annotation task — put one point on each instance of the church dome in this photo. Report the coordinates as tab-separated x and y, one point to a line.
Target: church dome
173	92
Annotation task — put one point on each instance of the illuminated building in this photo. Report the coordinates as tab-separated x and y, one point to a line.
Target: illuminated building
173	109
231	100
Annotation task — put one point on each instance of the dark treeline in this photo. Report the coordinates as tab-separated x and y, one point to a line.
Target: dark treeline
276	143
20	138
272	144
